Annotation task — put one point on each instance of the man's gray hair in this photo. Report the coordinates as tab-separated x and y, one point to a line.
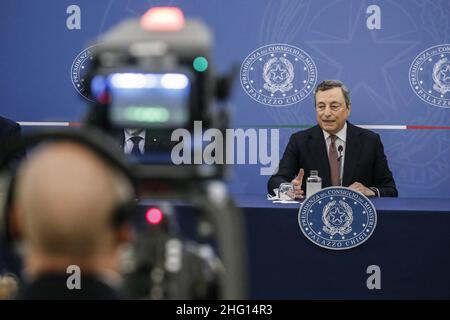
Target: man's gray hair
330	84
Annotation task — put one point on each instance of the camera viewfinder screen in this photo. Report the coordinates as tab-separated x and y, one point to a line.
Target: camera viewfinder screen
149	100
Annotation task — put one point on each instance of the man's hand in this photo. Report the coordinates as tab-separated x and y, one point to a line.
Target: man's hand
297	184
362	188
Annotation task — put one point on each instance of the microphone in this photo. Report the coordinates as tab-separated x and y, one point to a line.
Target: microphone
340	149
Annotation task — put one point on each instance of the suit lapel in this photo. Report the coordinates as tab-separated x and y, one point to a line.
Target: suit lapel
320	156
149	143
353	146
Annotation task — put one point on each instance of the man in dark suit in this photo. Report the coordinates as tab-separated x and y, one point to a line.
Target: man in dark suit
342	153
140	141
9	130
65	208
154	146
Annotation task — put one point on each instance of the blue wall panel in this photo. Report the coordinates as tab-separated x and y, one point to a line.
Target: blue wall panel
37	51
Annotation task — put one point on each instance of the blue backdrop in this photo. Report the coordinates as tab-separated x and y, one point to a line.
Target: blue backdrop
371	50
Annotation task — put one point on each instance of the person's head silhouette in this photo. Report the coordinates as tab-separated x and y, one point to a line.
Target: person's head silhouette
66	198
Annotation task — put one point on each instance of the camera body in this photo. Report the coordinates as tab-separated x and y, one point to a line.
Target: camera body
157	78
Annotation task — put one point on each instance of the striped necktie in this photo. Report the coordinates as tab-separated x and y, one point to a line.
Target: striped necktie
334	163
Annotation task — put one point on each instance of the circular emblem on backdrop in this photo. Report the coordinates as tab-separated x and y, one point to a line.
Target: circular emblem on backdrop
337	218
78	71
278	75
429	75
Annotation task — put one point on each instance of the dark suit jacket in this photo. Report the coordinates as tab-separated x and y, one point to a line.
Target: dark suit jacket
8	131
365	161
53	286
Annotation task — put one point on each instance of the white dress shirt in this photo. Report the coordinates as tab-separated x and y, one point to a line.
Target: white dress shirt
128	145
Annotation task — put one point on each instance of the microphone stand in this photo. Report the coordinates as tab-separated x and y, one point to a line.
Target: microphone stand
341	175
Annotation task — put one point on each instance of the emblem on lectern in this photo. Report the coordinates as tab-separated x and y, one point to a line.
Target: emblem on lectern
337	218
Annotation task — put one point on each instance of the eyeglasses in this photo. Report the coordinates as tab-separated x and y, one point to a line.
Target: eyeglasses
333	107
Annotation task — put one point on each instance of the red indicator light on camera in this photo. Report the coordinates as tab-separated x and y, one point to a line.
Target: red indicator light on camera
163	19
